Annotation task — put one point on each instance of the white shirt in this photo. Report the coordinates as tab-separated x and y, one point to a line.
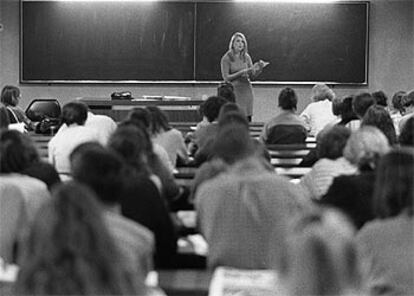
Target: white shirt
65	141
102	124
173	143
317	115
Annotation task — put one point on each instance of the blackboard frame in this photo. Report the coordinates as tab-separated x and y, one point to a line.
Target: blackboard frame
193	81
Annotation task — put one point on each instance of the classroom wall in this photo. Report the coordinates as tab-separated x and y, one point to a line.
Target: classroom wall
391	64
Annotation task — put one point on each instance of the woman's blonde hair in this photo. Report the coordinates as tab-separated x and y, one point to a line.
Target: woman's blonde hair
244	52
365	146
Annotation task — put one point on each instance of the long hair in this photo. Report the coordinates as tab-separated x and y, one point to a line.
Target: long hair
394	184
159	120
70	251
244	52
379	117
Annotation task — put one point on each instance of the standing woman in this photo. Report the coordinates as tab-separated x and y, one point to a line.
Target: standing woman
237	68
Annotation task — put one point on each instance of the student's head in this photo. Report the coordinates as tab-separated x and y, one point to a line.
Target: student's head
230	108
10	95
131	145
74	112
288	99
361	103
100	169
379	117
394	186
380	98
407	133
337	106
4	117
159	120
233	143
238	38
141	117
408	102
347	112
365	146
226	91
332	143
146	142
397	101
321	256
321	92
70	250
17	151
211	107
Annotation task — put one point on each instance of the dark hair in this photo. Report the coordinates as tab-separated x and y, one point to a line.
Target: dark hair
131	144
211	107
397	100
337	106
74	112
226	91
233	117
9	95
141	117
17	151
379	117
288	99
394	186
347	113
4	117
333	142
408	99
159	120
407	133
230	107
380	98
361	103
100	169
70	250
233	143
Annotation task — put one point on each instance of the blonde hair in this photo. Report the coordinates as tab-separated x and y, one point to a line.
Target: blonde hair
321	92
365	146
244	52
322	256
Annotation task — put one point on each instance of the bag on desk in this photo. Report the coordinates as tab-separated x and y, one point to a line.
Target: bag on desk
121	95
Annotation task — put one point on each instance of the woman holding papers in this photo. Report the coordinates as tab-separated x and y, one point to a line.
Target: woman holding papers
237	68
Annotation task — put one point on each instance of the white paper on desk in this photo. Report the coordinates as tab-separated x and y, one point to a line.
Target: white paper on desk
232	282
8	272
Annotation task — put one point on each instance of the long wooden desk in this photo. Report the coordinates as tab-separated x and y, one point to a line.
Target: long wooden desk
179	111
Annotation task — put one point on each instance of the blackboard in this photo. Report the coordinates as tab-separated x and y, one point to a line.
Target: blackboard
107	41
303	42
184	41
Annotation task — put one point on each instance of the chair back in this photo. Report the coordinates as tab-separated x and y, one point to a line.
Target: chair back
40	109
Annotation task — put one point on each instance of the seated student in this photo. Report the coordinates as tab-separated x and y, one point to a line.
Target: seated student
319	113
361	103
408	105
331	163
286	127
74	115
226	91
15	156
141	118
141	200
203	137
352	194
10	96
239	208
22	157
71	251
397	109
386	245
102	171
169	138
406	137
349	118
379	117
321	257
380	98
